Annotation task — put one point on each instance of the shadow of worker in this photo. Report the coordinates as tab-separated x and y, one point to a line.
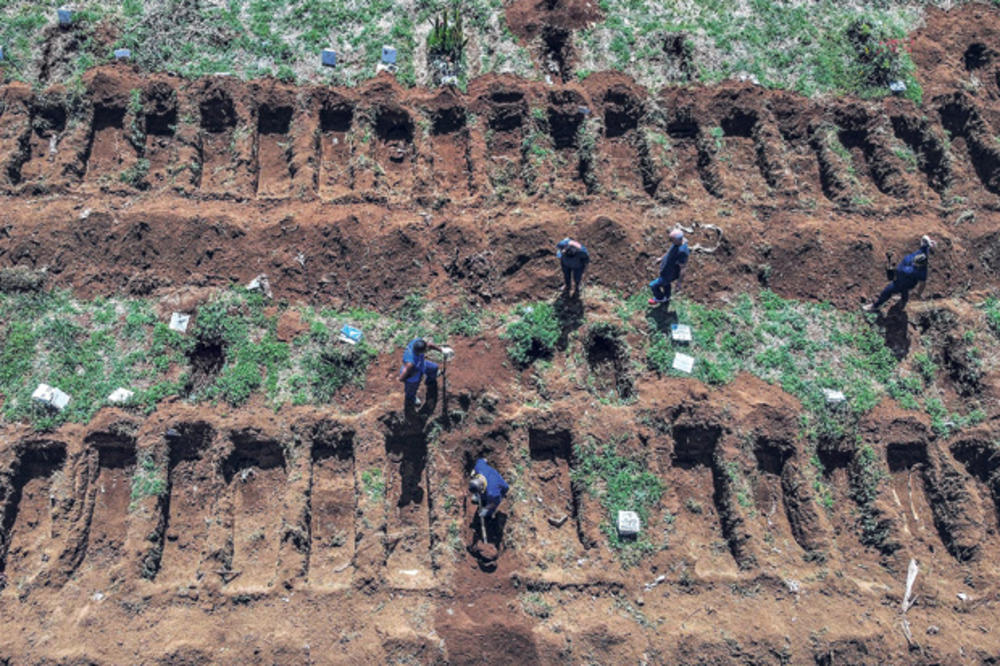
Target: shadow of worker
569	312
897	329
662	318
419	416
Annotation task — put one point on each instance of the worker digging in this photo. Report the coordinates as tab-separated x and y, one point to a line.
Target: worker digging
911	272
486	490
573	258
416	367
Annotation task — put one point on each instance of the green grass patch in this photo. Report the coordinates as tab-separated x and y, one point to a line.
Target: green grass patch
534	334
620	483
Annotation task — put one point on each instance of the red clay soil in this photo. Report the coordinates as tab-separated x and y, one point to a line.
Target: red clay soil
342	534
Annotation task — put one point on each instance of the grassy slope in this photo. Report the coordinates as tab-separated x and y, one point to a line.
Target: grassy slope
781	43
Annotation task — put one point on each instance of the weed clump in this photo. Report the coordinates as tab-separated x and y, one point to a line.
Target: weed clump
335	367
534	335
620	483
21	279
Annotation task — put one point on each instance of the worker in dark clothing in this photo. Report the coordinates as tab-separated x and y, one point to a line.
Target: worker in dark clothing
574	258
671	265
487	488
416	367
911	272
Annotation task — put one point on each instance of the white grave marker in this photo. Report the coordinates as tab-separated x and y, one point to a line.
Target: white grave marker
179	322
683	362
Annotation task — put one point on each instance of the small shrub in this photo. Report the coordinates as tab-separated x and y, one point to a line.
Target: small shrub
148	480
21	279
534	335
373	483
335	367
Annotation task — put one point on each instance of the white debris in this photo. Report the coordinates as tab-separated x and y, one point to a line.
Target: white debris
680	332
683	362
911	577
85	213
897	86
261	284
659	579
97	596
963	597
628	523
179	322
409	572
792	585
120	395
448	352
834	398
51	396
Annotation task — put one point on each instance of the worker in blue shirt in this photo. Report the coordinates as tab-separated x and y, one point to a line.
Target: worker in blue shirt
416	367
487	488
911	272
573	257
671	264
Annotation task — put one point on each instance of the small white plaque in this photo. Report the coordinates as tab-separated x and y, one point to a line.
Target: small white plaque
683	362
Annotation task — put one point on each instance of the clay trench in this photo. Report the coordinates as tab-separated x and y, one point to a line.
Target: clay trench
970	134
111	491
778	517
48	123
28	513
192	486
685	156
504	138
332	506
218	144
110	152
620	153
552	489
696	483
274	150
742	155
931	153
256	477
393	149
336	177
450	151
565	118
160	125
867	161
906	465
408	539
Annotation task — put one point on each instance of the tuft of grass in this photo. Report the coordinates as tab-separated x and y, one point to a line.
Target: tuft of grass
374	483
620	483
148	480
534	335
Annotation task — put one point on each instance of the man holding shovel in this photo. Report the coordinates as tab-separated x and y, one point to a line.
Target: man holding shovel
487	489
416	367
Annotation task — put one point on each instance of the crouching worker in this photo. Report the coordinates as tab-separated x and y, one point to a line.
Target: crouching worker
416	367
911	272
487	488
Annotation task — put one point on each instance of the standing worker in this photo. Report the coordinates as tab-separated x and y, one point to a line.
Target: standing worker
487	488
911	272
573	257
671	264
416	366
